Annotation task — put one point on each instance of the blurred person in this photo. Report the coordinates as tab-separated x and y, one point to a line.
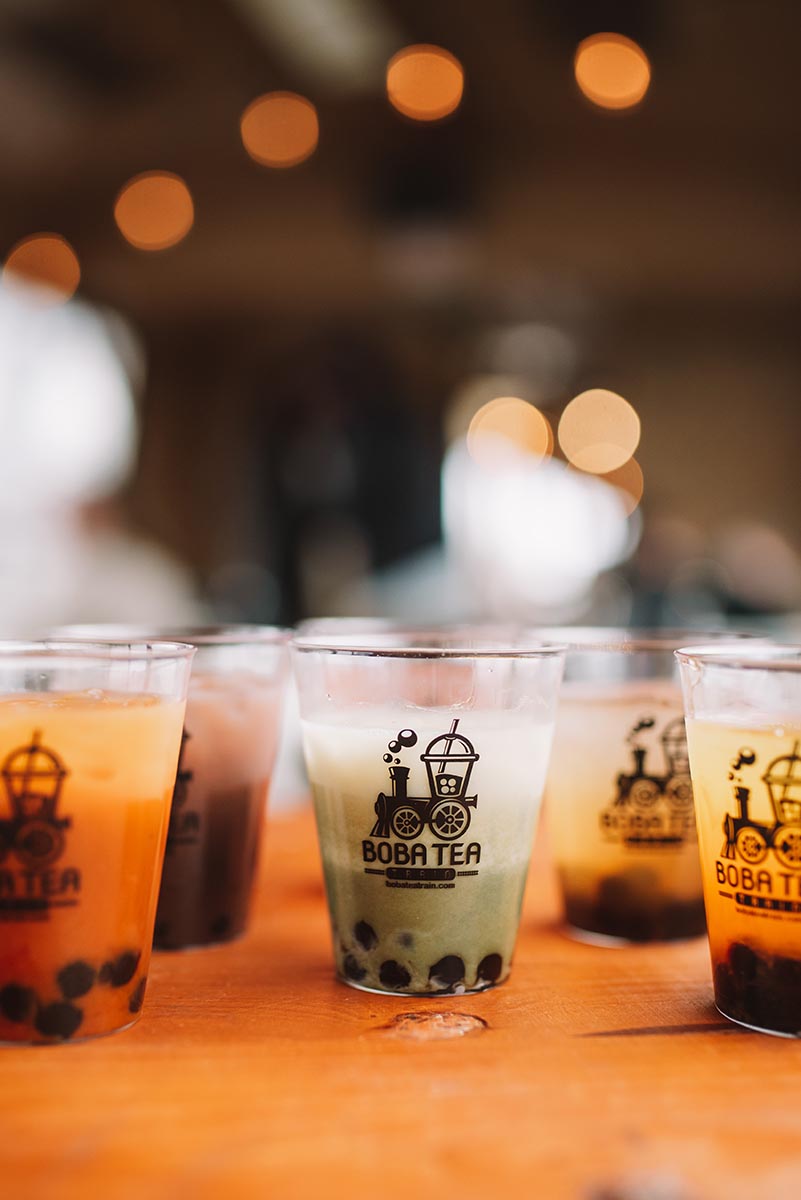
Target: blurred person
69	443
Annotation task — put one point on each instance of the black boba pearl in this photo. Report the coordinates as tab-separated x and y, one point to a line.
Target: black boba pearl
392	974
447	972
365	935
743	961
17	1002
352	969
120	970
76	979
221	926
406	940
489	969
137	995
58	1020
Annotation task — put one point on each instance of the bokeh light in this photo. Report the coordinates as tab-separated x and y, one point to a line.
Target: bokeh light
48	262
425	82
154	210
508	422
612	71
628	479
280	129
599	431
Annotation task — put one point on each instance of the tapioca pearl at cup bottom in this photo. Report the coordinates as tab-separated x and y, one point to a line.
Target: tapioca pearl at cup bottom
17	1003
393	975
120	970
76	979
365	935
448	972
221	926
743	961
60	1020
353	969
406	940
137	997
489	969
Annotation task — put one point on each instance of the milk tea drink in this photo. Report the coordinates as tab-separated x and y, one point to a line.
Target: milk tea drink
86	781
425	835
620	812
218	810
748	794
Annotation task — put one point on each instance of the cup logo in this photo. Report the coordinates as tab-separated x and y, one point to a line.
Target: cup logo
32	836
750	839
759	866
653	808
445	812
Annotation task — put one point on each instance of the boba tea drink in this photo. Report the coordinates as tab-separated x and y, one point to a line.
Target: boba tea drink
86	779
744	732
230	739
427	763
619	798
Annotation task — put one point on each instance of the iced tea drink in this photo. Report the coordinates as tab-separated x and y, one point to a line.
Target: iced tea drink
619	803
427	769
744	733
86	780
230	740
228	750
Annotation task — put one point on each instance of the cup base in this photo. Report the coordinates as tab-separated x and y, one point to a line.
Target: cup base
591	937
49	1043
444	994
779	1033
183	947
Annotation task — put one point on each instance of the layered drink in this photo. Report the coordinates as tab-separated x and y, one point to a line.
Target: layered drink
620	812
747	780
86	780
227	756
425	819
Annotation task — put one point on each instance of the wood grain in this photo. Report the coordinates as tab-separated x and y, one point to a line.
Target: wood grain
601	1073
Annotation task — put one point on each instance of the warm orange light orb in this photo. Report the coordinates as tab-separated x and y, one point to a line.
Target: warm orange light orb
154	210
628	480
425	82
508	421
599	431
280	129
612	71
47	261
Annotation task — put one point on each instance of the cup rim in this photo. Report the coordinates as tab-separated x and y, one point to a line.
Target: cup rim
86	650
760	655
193	635
390	644
633	639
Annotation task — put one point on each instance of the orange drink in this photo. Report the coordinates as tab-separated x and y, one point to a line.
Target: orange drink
86	780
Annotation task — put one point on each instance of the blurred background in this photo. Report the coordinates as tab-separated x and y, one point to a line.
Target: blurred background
399	308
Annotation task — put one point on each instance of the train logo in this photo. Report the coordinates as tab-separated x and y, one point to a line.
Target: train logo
752	839
33	776
449	760
653	809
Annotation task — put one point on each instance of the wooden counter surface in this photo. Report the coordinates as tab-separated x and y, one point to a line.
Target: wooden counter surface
603	1074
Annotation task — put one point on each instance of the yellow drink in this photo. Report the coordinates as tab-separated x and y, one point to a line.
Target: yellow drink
747	786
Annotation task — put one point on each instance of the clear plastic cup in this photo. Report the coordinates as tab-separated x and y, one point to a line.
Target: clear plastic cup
427	757
619	804
89	742
230	741
743	706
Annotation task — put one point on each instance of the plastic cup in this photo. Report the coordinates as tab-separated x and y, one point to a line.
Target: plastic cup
230	740
89	742
427	758
743	706
619	804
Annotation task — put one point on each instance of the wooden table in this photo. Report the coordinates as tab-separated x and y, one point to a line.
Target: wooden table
599	1073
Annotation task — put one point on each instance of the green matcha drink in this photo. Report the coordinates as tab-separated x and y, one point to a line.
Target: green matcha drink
425	819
